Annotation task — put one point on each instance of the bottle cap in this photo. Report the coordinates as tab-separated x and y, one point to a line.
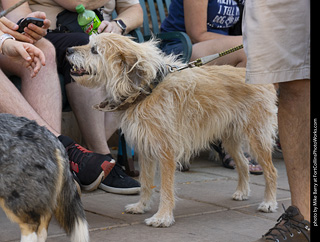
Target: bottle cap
80	8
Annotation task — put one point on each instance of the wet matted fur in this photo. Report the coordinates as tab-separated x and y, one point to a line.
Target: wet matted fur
35	181
180	116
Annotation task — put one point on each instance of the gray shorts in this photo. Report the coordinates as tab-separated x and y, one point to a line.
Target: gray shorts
276	37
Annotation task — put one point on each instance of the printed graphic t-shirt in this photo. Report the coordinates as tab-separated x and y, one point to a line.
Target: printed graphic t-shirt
221	15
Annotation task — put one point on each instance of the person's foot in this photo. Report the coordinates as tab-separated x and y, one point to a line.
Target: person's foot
277	151
254	167
88	168
183	167
228	162
290	227
119	182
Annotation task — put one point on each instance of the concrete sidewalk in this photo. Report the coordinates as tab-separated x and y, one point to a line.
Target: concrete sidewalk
204	210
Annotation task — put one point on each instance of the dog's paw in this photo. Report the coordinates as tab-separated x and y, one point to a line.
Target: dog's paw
240	196
268	207
136	208
160	221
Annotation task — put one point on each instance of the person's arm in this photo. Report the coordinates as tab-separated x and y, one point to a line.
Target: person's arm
9	27
208	43
88	4
132	17
32	32
195	18
26	54
18	13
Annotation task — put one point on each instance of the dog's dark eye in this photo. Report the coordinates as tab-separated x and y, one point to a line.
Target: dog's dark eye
94	50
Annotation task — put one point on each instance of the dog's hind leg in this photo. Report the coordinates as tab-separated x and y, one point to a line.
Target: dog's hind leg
28	232
264	157
43	227
147	173
233	147
164	216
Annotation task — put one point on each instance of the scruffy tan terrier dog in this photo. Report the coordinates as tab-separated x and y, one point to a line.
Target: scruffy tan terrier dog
168	117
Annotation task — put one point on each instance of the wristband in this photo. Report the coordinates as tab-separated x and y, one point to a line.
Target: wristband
3	38
121	25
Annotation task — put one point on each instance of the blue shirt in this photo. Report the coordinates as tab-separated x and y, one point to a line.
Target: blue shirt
221	15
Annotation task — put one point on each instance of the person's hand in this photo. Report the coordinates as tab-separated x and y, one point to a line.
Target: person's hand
9	27
109	27
27	54
34	32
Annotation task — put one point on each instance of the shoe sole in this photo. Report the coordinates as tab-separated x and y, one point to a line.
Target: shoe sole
107	167
122	191
94	185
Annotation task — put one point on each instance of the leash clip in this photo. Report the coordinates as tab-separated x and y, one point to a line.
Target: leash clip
195	63
174	68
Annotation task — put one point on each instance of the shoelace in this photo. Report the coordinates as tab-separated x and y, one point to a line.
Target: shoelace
288	225
74	151
84	150
118	171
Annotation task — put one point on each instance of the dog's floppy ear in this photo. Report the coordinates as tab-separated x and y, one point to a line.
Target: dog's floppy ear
130	66
139	66
131	62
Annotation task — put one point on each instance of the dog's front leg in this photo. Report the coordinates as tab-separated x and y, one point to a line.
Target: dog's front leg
147	173
164	216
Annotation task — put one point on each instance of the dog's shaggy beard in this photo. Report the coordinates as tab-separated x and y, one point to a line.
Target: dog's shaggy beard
103	62
84	68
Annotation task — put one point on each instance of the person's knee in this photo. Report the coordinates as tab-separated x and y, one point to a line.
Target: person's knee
48	49
294	90
81	39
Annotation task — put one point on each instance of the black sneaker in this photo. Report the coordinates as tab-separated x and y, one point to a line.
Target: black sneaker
88	168
119	182
291	227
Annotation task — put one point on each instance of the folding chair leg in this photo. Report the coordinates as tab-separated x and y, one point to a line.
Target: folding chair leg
124	159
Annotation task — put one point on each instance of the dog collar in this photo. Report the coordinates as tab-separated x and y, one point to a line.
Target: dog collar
142	93
107	106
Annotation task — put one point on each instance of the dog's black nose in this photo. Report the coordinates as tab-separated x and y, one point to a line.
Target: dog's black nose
70	51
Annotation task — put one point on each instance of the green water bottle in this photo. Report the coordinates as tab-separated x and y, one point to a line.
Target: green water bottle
88	20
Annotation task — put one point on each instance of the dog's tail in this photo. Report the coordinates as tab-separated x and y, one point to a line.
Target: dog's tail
69	212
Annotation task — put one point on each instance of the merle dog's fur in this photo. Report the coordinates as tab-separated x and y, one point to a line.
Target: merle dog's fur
35	181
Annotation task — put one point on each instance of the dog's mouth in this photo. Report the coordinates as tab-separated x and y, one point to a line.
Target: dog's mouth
78	71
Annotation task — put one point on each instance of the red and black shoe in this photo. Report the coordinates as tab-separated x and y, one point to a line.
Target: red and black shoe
88	168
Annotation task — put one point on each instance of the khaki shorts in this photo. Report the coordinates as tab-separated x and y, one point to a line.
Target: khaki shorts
276	38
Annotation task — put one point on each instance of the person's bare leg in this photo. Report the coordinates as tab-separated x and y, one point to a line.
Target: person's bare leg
12	101
111	123
294	132
48	102
40	97
91	122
